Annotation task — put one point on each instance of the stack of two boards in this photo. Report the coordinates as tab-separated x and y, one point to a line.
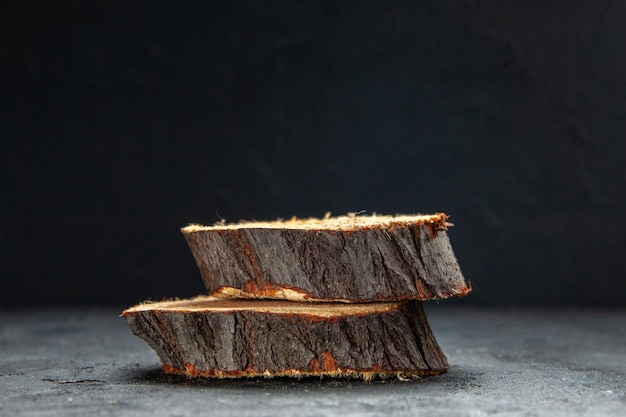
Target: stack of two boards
316	297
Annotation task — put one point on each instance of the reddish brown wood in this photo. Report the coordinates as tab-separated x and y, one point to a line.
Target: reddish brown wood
233	338
315	297
358	258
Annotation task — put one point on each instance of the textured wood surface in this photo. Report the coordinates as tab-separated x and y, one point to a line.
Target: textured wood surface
360	258
233	338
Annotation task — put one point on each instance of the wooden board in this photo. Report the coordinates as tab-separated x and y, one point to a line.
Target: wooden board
349	258
212	337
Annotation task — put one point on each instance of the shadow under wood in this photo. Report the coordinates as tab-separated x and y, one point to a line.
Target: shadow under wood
449	380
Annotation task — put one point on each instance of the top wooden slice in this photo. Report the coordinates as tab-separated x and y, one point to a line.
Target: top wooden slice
348	258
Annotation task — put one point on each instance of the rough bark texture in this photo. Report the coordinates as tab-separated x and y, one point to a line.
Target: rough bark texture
233	338
367	258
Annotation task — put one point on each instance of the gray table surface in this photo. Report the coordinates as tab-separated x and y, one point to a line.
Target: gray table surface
518	363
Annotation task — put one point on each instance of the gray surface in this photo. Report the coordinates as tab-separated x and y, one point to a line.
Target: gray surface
86	362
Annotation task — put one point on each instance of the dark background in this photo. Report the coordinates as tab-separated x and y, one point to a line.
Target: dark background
122	121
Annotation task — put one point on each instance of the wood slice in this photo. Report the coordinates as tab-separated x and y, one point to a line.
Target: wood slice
349	258
221	338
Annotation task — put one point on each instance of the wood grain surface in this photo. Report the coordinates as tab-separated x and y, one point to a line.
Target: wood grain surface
234	338
360	258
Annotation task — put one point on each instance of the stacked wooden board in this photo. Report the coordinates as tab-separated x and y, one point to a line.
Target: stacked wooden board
338	296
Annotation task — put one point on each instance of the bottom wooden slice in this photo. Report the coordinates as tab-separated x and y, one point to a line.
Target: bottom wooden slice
221	338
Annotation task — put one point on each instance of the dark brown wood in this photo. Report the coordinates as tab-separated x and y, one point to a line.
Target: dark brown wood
233	338
350	258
